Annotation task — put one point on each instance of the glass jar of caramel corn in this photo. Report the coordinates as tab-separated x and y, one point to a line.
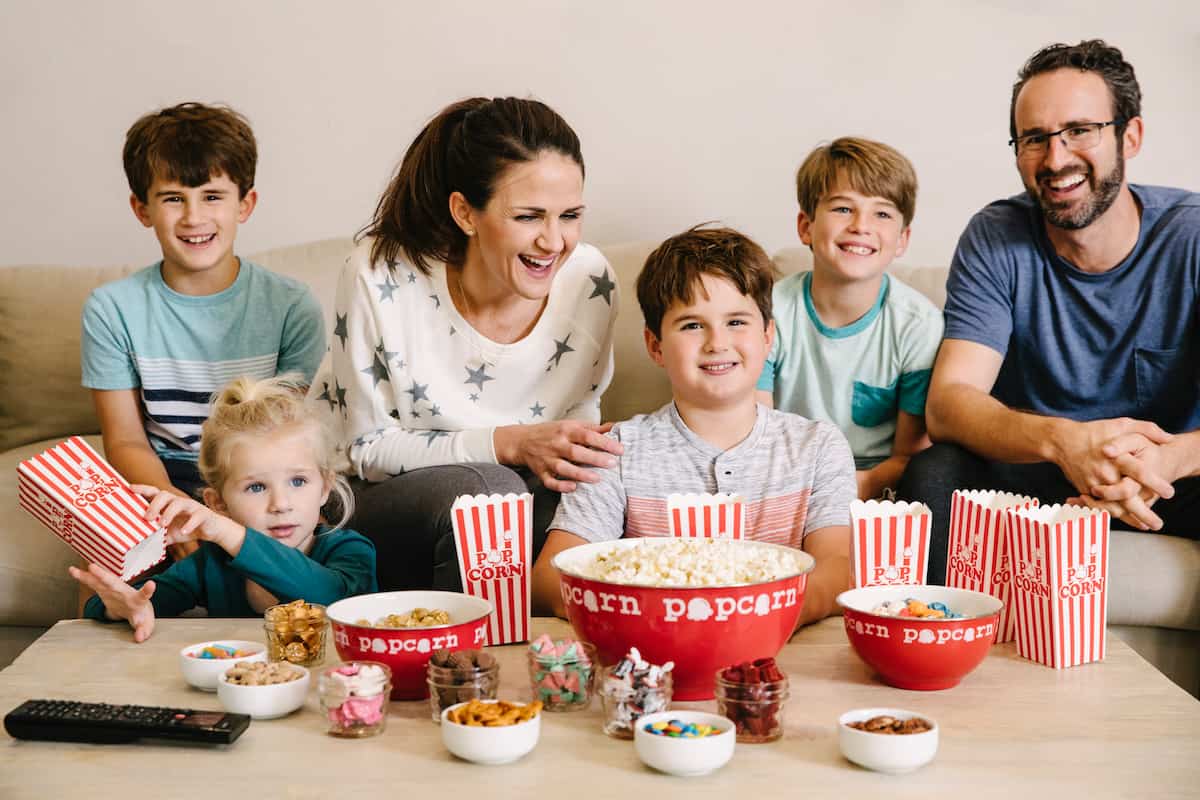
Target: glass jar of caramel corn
296	632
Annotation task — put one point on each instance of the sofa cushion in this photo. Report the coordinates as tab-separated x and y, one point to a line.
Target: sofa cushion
40	310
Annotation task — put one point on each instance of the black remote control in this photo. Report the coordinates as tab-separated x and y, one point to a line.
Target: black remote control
101	723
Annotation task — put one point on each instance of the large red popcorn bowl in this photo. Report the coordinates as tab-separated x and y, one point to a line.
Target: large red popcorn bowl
921	653
700	628
406	651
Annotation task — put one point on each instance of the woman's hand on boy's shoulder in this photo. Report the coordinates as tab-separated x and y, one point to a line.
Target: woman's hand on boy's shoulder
188	520
558	453
121	601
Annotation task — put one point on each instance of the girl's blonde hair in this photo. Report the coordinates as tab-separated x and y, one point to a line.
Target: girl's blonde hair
260	407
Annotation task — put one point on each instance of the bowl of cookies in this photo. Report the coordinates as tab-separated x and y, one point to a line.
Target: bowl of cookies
491	731
264	690
887	739
403	629
701	604
920	637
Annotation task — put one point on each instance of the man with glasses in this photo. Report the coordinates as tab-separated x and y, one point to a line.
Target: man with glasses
1070	368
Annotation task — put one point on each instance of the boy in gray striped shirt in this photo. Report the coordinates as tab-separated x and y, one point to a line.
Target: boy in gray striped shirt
157	344
706	298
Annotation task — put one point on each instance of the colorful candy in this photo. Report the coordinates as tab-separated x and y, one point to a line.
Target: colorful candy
562	672
354	697
678	729
914	608
220	651
752	695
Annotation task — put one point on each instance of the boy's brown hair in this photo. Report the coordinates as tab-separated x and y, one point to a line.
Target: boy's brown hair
672	272
190	143
870	168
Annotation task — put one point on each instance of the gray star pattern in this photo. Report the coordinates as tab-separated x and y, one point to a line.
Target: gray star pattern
437	301
474	398
388	355
435	411
561	349
478	376
328	398
387	288
415	414
418	392
412	277
340	394
536	409
339	328
378	370
603	288
432	435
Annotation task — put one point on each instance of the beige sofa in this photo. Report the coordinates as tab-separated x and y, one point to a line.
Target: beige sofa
1154	597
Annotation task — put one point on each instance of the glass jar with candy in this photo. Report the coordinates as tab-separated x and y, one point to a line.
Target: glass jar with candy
752	695
460	676
630	689
354	697
562	672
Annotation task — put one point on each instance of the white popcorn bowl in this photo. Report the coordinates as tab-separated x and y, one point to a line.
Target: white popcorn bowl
685	757
891	753
203	673
264	702
502	744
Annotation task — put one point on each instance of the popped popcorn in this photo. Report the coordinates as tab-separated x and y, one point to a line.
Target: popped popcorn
685	563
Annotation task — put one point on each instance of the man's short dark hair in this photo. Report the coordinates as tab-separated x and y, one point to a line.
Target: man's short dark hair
1091	55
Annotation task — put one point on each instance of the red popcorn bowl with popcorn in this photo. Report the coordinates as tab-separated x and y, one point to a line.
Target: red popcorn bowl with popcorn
921	653
368	628
700	603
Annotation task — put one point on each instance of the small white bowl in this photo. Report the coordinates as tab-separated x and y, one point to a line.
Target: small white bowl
882	752
264	702
203	672
685	757
499	745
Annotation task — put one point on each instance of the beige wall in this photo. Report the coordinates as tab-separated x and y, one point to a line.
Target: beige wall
688	111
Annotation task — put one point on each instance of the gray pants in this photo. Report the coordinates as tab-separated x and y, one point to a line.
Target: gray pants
408	519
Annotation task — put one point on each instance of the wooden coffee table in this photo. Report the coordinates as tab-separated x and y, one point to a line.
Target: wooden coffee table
1011	729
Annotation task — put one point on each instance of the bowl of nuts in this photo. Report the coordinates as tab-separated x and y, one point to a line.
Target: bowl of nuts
264	690
403	629
491	731
296	632
887	739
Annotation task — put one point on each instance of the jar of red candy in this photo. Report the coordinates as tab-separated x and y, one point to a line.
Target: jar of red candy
354	697
752	696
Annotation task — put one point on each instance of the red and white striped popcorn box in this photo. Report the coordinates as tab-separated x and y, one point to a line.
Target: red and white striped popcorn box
494	534
889	542
706	516
977	553
1060	583
74	492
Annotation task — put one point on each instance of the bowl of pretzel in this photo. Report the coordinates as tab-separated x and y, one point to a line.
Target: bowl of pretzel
491	731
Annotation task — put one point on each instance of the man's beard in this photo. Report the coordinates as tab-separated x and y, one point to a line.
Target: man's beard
1101	199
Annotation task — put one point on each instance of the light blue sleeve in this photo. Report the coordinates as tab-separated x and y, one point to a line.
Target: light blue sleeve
766	379
302	345
920	348
106	355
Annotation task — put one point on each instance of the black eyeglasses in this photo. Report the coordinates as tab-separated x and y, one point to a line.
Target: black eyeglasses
1081	136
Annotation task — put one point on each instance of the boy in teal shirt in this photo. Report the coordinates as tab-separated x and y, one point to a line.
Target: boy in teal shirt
157	344
854	346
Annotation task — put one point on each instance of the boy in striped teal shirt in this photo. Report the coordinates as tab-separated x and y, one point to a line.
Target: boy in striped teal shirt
157	344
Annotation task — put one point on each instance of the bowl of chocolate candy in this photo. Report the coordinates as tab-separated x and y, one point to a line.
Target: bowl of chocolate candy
887	739
920	637
403	629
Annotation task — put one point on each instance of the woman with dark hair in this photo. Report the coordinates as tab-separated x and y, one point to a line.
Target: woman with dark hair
472	337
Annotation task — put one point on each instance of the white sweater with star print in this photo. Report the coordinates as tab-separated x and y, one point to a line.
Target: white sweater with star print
408	383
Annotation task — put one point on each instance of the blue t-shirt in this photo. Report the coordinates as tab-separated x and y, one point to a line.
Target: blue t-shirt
179	349
1080	345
